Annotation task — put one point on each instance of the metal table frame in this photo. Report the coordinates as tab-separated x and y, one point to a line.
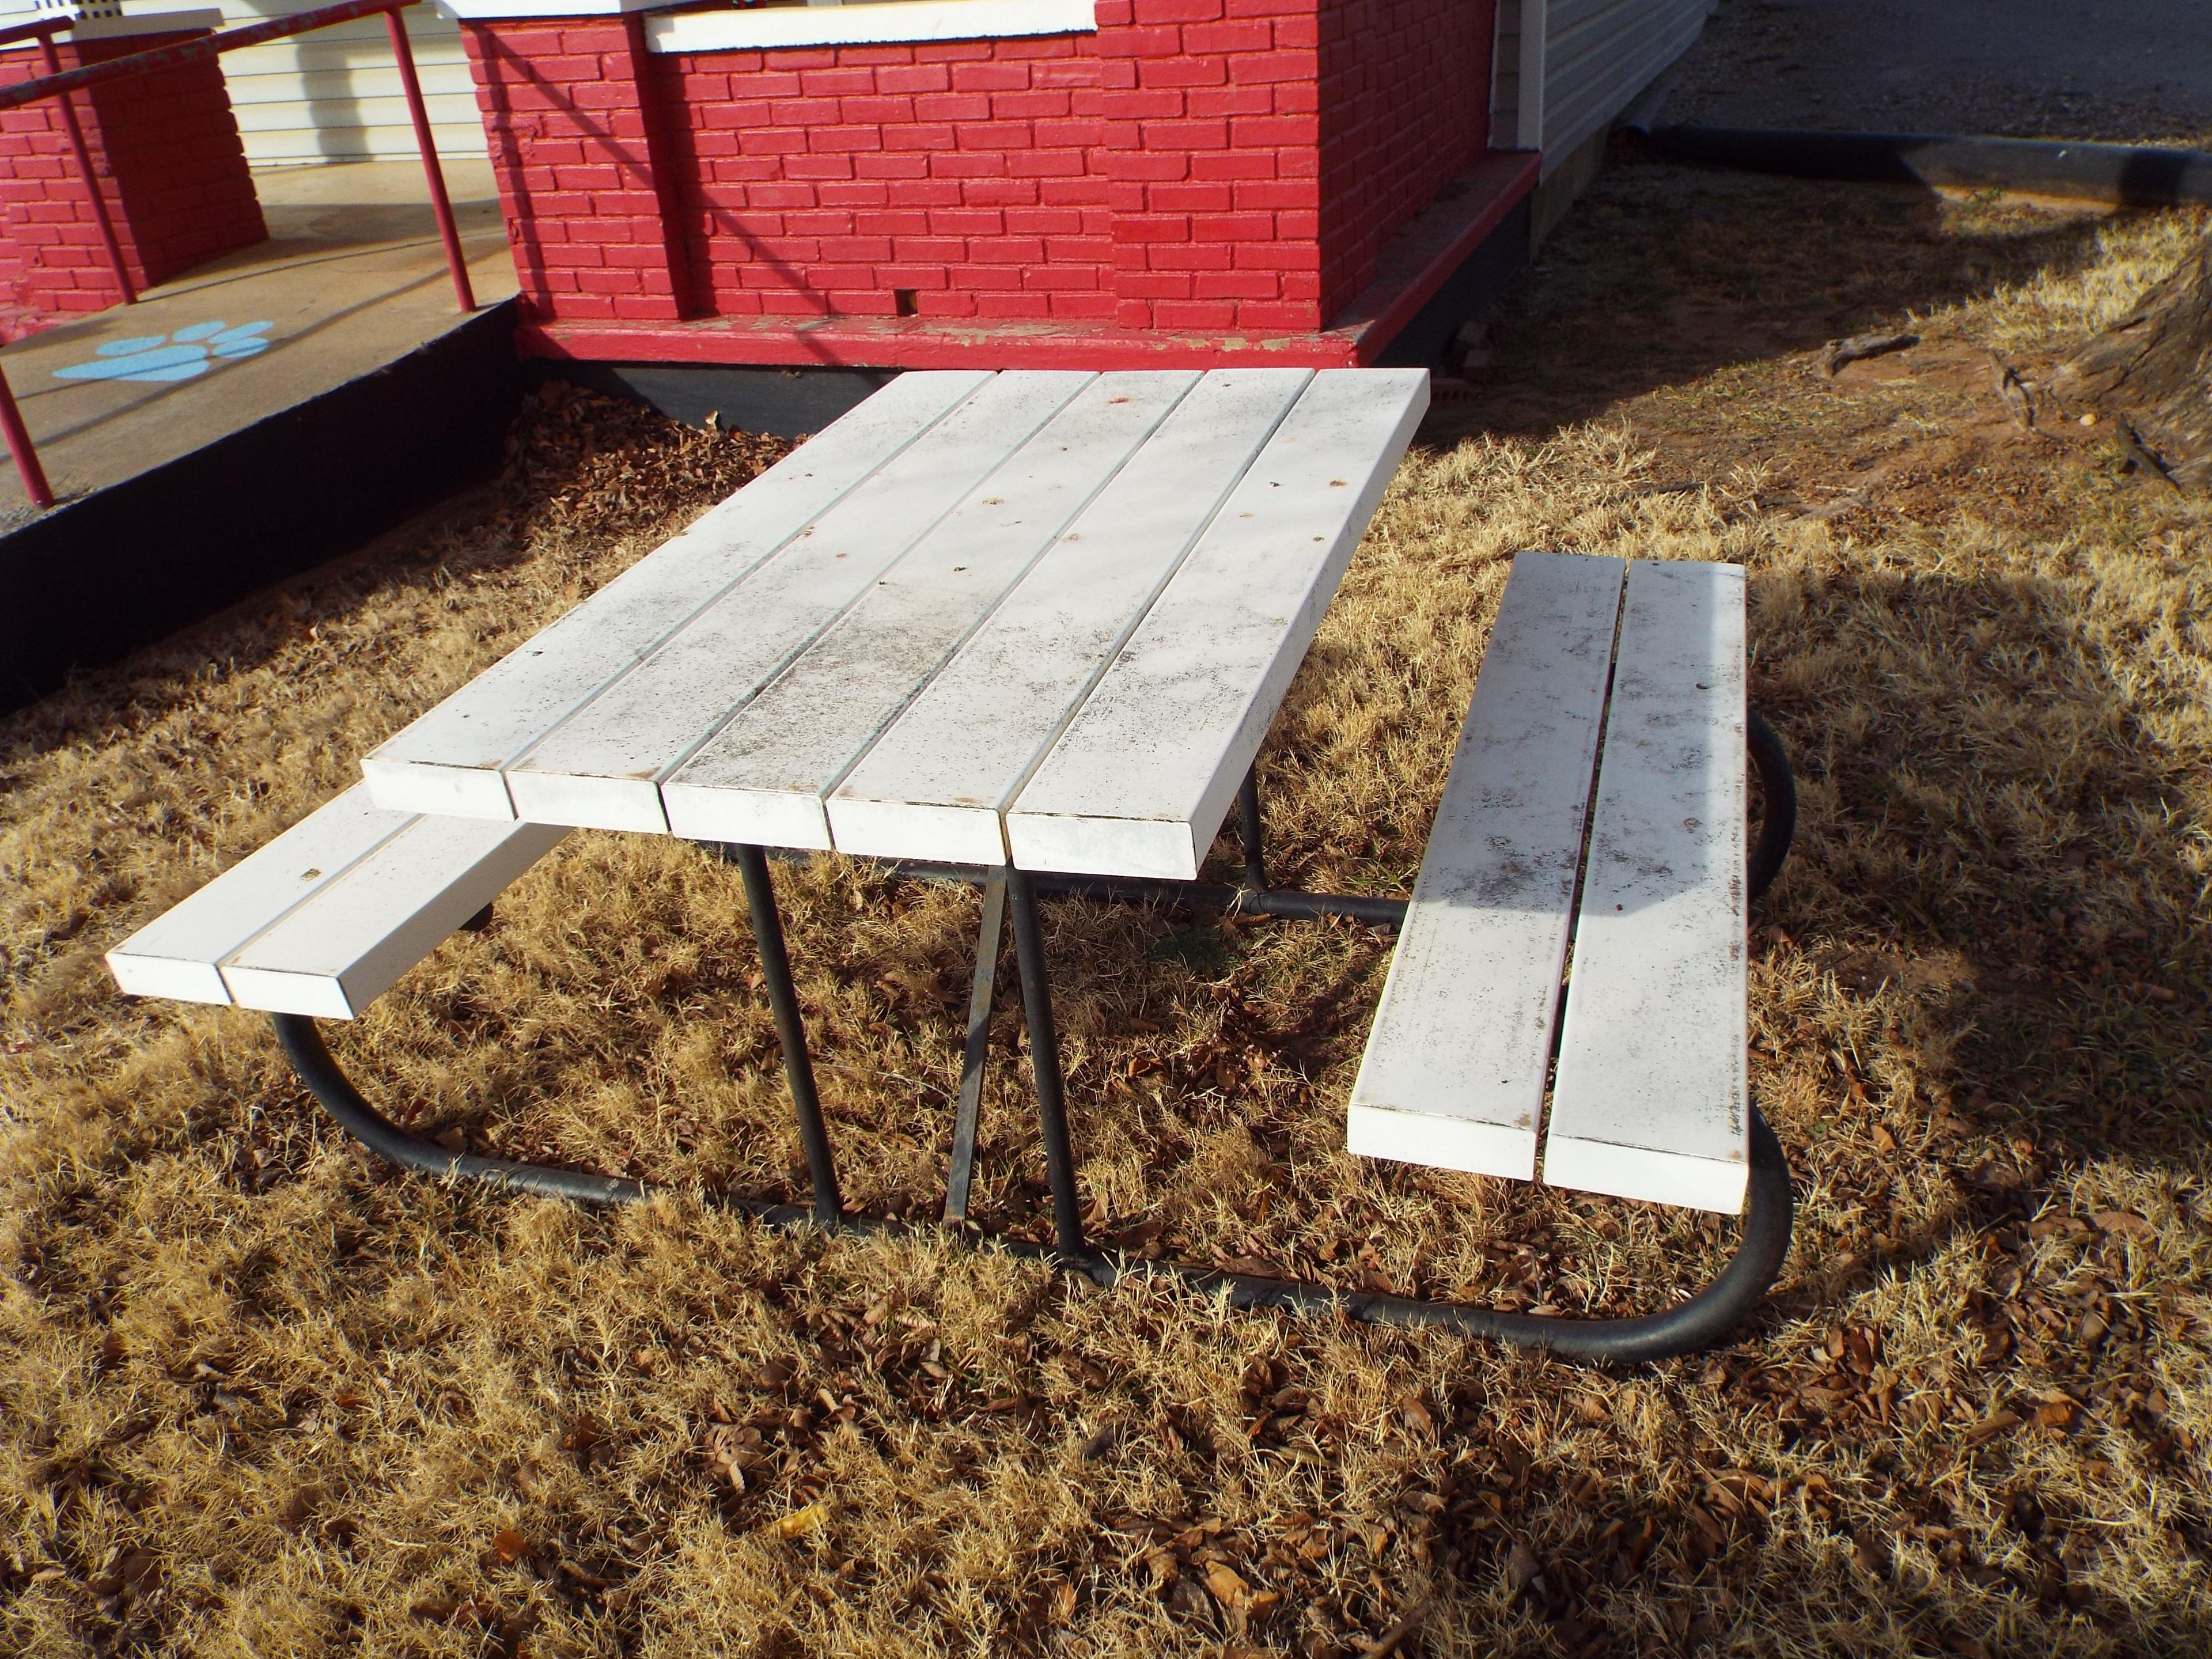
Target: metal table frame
1694	1323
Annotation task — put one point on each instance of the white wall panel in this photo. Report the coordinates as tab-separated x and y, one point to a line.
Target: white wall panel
334	95
1599	54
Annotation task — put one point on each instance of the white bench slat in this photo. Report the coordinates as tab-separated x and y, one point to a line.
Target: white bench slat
934	784
325	917
1651	1100
1139	781
604	764
1454	1068
177	954
763	777
449	760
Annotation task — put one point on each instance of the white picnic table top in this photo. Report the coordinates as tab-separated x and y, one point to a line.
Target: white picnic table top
1042	618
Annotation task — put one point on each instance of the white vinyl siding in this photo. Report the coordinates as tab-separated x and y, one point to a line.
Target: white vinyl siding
333	95
1599	54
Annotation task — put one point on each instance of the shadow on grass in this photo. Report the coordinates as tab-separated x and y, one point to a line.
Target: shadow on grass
1693	271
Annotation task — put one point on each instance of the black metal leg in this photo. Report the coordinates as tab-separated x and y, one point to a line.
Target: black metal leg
1771	761
1044	1062
979	1042
1247	814
790	1033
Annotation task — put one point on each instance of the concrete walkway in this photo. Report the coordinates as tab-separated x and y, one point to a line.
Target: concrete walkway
2128	71
352	277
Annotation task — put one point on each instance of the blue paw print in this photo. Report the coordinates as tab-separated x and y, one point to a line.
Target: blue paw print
178	357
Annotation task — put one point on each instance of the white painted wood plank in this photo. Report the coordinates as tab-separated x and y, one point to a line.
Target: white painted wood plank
450	760
336	951
176	953
1455	1065
934	784
604	766
1650	1100
1138	783
763	778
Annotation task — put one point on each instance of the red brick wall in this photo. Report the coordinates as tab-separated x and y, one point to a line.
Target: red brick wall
1212	137
1169	171
824	181
166	149
588	190
1404	96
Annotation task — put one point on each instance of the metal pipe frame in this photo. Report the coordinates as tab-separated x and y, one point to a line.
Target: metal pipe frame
61	84
441	204
1694	1323
74	130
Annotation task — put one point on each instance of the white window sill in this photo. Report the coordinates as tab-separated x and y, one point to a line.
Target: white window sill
479	11
138	22
888	22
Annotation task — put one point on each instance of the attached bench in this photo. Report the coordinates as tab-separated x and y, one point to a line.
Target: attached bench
1621	680
322	920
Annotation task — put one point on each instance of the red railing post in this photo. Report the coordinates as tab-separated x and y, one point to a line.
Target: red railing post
440	203
83	154
21	448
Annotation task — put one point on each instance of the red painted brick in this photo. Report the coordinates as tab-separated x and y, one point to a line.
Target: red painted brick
1083	307
1185	70
1286	315
1012	305
915	77
1194	313
1205	102
1237	285
1150	12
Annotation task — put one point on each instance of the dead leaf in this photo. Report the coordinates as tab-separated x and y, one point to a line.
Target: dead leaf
298	1507
1227	1588
1989	1428
1395	1638
1592	1409
809	1522
2122	1221
1523	1572
508	1546
2057	1415
1062	1602
1416	1416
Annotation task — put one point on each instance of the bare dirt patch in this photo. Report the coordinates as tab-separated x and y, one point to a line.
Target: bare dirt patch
263	1396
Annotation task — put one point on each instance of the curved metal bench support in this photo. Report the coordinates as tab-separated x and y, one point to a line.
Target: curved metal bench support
1698	1322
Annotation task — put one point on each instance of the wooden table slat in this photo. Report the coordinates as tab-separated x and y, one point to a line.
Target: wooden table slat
1649	1099
763	778
1140	781
450	759
603	765
934	784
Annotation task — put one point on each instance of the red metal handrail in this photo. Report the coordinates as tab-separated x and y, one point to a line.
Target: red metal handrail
60	83
15	32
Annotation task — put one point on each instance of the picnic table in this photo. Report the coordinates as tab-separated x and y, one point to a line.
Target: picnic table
1029	629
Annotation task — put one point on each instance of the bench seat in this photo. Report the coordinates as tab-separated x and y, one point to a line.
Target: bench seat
325	918
1597	798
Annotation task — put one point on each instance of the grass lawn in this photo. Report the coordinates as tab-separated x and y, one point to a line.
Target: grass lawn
259	1396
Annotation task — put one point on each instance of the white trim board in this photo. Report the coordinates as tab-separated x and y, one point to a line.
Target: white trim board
484	11
885	23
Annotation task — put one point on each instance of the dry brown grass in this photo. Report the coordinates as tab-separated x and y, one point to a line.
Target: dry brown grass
263	1397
